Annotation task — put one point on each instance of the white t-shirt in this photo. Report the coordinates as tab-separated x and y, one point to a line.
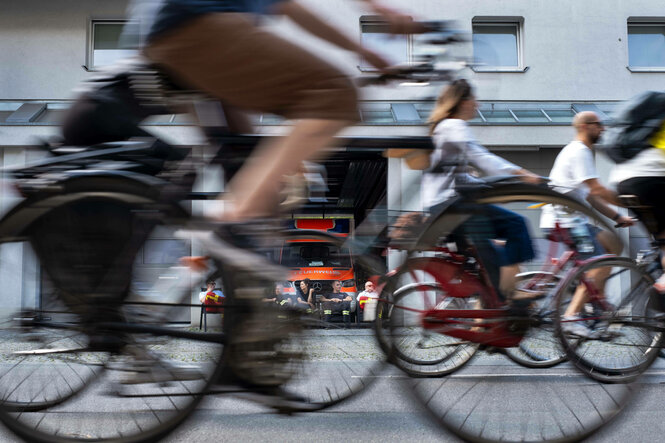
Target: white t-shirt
572	167
453	142
648	163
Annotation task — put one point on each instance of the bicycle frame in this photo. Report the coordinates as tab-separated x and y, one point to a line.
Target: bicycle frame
494	325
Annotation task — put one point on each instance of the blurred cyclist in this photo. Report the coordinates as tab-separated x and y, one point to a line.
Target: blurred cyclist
216	46
454	142
644	176
574	173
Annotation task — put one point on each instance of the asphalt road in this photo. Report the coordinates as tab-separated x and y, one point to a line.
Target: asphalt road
387	412
491	397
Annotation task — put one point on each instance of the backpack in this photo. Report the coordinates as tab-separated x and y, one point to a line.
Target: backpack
633	126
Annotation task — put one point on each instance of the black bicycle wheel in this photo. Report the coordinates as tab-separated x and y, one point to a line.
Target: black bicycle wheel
617	342
540	347
43	365
151	380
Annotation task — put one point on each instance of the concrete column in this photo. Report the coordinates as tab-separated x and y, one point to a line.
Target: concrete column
19	277
403	195
210	179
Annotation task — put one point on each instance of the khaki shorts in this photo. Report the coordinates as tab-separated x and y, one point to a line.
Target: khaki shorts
229	57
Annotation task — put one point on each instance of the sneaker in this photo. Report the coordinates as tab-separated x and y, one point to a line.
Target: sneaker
161	372
574	325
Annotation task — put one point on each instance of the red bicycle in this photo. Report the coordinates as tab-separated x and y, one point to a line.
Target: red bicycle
439	308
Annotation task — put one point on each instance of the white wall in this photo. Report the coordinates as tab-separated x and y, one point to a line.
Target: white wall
575	50
43	44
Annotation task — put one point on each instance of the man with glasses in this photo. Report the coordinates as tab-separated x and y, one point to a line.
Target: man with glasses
574	173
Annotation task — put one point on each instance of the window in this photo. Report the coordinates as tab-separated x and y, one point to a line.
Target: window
107	43
646	45
497	45
394	48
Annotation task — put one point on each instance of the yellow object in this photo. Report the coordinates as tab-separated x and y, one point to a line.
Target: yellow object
536	206
417	159
658	140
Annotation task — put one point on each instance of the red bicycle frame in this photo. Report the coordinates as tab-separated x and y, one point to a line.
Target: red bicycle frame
493	325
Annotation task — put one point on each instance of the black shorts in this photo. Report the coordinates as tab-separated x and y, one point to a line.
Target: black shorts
651	192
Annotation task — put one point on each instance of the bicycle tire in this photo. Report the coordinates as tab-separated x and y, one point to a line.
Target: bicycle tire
434	354
48	376
144	410
612	356
493	402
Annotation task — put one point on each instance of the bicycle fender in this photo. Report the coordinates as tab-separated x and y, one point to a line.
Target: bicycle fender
134	190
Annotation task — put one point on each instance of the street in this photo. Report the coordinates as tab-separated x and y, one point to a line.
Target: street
492	397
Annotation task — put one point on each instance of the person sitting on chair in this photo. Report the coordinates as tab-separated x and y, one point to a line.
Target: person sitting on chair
276	297
367	299
214	296
305	293
290	299
336	302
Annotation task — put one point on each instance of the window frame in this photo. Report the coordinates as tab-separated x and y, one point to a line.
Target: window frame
90	50
518	23
375	19
642	22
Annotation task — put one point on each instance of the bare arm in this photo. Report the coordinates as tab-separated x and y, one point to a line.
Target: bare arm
599	196
528	176
598	190
304	18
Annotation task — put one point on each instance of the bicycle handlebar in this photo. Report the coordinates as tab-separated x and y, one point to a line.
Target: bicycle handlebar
435	35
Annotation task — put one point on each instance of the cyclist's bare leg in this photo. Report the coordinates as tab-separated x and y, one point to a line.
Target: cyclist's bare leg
254	190
508	278
260	73
609	242
598	277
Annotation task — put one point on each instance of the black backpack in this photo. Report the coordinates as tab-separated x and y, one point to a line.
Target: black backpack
633	126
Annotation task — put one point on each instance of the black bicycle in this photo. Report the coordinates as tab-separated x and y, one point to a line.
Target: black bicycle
97	339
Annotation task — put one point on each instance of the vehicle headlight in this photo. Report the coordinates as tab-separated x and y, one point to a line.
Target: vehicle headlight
348	283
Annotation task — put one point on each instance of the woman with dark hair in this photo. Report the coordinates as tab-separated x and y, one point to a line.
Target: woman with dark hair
454	144
305	293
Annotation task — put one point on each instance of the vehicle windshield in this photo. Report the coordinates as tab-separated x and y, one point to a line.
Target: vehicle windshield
312	255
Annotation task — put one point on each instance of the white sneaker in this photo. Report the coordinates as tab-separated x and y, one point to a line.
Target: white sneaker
574	325
161	373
